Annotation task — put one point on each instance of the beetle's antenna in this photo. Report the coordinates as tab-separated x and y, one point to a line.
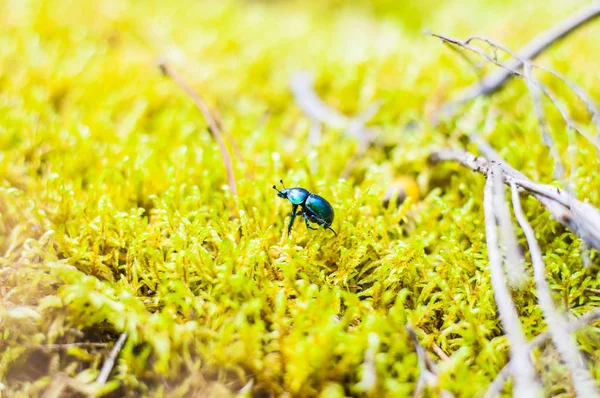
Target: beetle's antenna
335	233
275	188
281	181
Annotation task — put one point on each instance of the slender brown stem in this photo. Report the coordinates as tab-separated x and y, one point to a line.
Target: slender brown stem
212	124
439	352
111	359
66	346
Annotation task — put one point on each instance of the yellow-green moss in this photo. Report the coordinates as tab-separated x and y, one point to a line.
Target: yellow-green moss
115	214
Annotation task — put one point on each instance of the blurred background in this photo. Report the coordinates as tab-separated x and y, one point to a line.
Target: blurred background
116	216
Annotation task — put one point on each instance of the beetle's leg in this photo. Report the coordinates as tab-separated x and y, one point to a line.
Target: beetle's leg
292	218
324	224
306	220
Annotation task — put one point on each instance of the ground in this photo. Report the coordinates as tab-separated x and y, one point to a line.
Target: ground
116	216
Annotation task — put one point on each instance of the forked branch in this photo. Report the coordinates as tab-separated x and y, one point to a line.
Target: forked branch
581	218
521	366
498	384
496	79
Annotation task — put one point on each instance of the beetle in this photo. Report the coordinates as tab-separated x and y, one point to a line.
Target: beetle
314	208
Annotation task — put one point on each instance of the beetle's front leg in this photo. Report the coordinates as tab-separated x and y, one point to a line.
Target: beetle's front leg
292	218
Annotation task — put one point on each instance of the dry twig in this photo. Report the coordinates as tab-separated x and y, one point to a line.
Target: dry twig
66	346
496	79
425	376
498	384
212	124
557	322
109	363
439	352
513	260
427	371
535	88
521	366
489	152
301	85
581	218
368	383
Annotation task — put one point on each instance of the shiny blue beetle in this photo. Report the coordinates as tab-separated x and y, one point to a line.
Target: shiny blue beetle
314	208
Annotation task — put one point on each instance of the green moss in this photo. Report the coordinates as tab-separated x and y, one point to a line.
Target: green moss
115	215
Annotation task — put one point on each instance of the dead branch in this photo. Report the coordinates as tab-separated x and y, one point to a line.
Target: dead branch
497	385
496	79
66	346
521	366
212	124
368	382
427	369
535	91
581	218
525	62
513	260
425	376
556	321
535	88
439	352
489	152
109	363
301	85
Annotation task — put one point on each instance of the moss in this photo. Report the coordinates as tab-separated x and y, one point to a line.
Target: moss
115	215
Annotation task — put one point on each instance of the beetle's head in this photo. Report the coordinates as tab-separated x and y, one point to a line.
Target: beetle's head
282	193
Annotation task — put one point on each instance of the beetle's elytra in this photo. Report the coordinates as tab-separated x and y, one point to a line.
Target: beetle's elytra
313	207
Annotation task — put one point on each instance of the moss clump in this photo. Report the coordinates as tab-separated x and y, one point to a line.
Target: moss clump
115	215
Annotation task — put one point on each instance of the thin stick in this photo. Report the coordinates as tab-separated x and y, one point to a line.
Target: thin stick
425	376
581	218
301	85
109	363
535	87
556	321
427	369
535	91
513	260
498	384
521	368
66	346
496	79
212	124
313	106
439	352
578	91
368	383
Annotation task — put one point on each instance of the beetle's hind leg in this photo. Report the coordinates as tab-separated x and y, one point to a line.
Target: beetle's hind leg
328	227
319	221
322	222
306	220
